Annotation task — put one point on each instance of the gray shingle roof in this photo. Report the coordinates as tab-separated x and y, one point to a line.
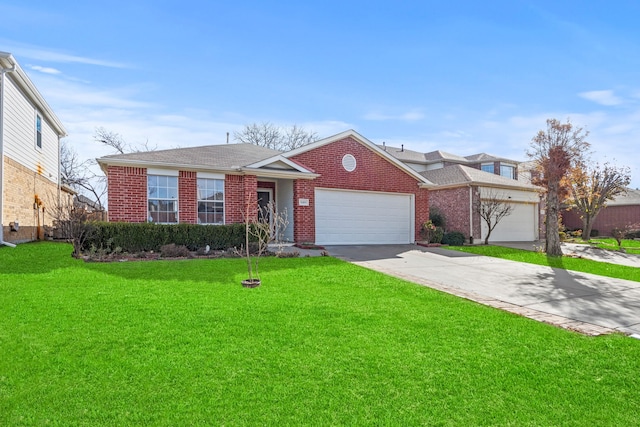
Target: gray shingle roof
631	198
404	154
211	156
440	156
460	175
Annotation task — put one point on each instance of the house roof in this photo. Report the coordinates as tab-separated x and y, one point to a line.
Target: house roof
484	157
631	198
460	175
224	156
8	62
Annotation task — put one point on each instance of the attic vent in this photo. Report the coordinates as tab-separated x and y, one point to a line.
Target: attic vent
349	163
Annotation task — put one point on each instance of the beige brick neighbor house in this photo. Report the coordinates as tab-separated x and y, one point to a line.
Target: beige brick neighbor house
30	136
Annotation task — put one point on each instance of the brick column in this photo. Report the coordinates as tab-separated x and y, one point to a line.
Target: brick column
188	197
304	230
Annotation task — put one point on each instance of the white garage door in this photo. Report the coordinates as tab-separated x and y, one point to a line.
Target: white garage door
361	217
519	226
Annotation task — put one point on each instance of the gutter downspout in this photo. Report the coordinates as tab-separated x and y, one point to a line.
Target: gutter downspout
471	214
3	71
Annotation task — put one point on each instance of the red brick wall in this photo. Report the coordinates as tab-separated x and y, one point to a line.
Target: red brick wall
238	191
609	218
127	196
454	205
304	230
372	173
188	197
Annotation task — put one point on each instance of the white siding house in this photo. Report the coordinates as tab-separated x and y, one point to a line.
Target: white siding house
30	136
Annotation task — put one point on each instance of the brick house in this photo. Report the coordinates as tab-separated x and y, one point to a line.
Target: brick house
462	183
30	136
622	211
340	190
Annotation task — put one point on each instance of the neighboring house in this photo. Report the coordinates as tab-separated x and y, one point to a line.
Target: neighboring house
622	211
340	190
462	183
94	209
461	189
440	159
30	136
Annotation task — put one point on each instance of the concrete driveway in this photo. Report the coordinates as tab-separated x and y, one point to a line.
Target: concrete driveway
582	302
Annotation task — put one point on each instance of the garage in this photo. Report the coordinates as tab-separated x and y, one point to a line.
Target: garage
520	226
363	217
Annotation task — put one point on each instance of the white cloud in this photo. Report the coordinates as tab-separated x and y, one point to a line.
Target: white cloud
602	97
21	50
46	70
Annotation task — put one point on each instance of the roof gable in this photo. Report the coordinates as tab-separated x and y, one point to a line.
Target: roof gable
364	141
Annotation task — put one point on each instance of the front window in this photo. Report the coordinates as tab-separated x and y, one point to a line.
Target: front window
163	199
487	167
508	171
210	201
38	131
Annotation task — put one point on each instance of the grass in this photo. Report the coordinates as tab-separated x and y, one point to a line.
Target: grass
321	342
630	246
567	263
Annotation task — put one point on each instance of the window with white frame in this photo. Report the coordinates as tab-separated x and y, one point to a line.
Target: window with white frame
163	198
508	171
487	167
210	201
38	131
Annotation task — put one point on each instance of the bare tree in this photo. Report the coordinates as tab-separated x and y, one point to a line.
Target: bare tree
80	175
268	135
555	151
71	221
111	139
492	208
115	141
592	187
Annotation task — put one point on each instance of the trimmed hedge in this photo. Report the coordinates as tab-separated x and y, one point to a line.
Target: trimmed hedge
453	238
138	237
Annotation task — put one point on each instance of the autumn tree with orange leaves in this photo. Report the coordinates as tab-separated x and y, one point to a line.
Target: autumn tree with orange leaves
591	187
555	151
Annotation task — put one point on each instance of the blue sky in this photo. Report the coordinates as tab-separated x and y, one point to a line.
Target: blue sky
458	76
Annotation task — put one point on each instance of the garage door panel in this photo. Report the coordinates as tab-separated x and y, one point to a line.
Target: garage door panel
358	217
519	226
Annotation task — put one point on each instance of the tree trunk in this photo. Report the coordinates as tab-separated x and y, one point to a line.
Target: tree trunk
552	247
587	225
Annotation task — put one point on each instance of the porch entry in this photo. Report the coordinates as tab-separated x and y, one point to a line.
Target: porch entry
265	196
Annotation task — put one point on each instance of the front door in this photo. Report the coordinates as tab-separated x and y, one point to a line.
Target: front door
265	195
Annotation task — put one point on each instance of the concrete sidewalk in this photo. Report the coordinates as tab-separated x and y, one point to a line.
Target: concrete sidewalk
582	302
579	250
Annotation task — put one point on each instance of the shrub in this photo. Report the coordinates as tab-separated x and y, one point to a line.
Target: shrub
437	217
453	238
139	237
436	235
634	234
174	251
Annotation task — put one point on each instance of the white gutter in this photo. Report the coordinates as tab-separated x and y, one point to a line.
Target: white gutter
471	213
3	71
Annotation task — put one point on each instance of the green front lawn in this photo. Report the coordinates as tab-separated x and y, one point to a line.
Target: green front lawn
322	342
630	246
567	263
